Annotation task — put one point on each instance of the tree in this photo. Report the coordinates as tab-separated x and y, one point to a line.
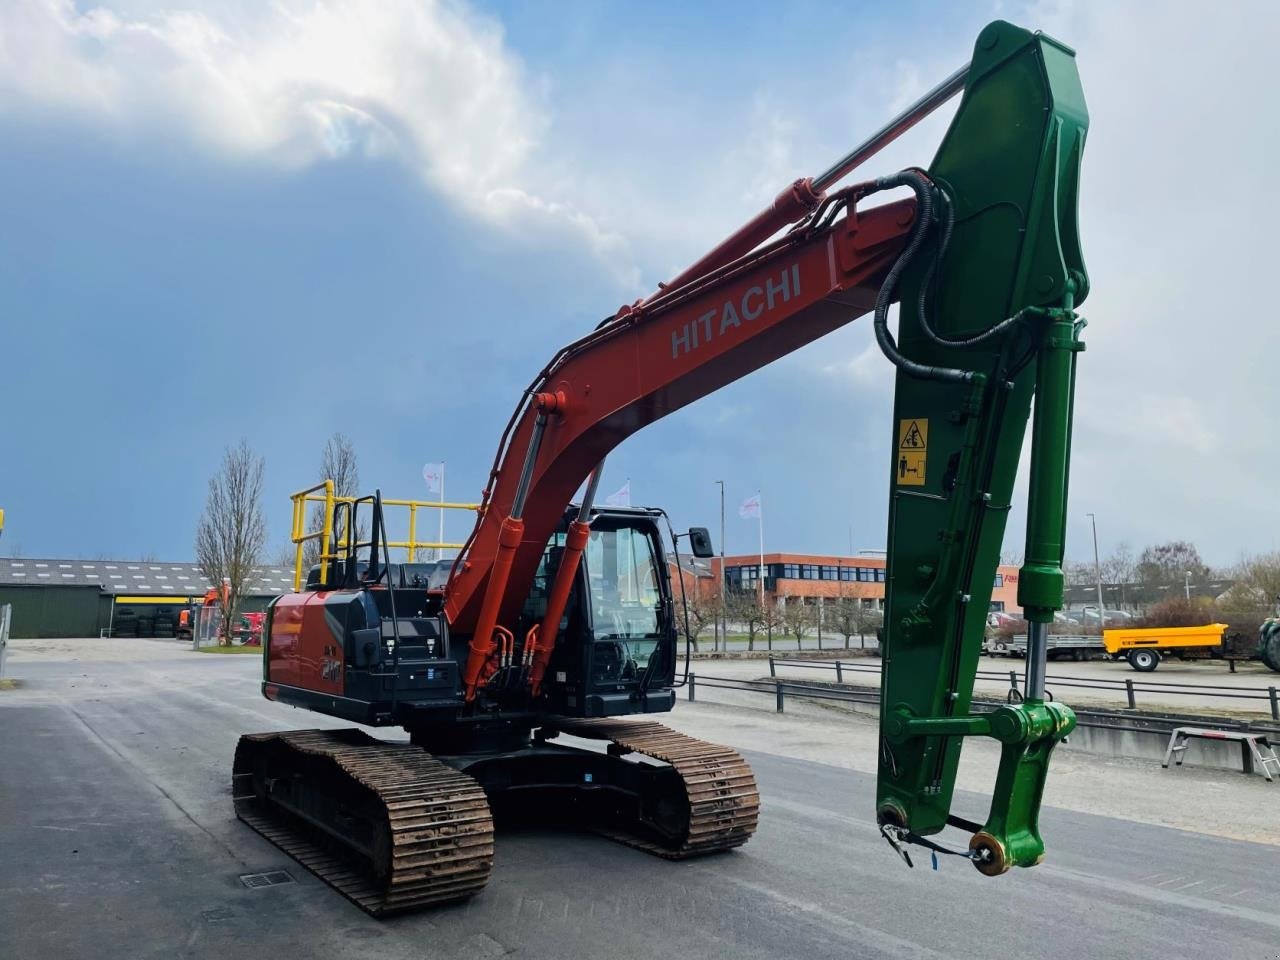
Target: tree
842	617
743	606
1079	574
233	531
1257	585
1120	567
850	618
869	620
798	618
703	610
1168	563
337	463
770	619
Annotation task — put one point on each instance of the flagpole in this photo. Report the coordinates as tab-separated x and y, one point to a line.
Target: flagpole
440	532
760	525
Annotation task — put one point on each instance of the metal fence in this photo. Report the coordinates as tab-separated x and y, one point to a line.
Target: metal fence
783	690
6	615
1270	696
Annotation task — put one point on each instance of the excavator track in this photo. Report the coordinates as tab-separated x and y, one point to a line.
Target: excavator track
426	832
724	802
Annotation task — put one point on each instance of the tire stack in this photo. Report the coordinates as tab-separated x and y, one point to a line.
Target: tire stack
1269	643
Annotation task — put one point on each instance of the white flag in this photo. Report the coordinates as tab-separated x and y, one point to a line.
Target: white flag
622	498
750	509
433	473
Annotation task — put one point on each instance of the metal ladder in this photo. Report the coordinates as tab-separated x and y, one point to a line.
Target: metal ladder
1267	761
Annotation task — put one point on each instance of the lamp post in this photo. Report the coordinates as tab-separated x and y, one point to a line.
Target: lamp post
1097	570
722	621
1186	584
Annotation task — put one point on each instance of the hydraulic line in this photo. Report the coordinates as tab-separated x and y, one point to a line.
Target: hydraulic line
919	184
926	284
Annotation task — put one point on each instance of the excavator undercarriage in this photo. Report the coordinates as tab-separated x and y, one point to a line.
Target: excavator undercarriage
394	829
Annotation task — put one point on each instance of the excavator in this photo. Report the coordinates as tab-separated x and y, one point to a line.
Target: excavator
526	673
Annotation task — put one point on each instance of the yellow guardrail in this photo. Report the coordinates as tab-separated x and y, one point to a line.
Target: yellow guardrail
324	493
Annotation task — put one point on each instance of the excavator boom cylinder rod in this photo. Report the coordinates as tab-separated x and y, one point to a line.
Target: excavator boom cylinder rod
892	130
803	197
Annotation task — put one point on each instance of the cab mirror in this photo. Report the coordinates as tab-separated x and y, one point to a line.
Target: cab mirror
700	543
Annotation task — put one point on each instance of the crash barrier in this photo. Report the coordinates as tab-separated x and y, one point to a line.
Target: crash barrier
1115	733
1266	697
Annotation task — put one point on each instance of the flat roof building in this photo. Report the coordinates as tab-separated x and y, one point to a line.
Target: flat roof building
84	598
811	576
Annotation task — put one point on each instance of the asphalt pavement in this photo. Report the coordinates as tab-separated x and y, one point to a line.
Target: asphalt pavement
117	839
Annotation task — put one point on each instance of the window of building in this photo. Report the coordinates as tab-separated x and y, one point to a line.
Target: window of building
791	571
879	574
847	573
999	579
830	573
866	575
809	571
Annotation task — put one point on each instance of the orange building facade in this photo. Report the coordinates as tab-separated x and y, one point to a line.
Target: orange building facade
809	576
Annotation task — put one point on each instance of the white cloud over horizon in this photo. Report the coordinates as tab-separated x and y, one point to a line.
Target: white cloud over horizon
1176	390
428	82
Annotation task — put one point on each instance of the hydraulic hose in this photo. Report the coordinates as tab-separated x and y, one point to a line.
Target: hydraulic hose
944	240
919	185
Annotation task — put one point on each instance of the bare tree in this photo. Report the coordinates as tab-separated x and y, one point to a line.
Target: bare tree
842	617
798	618
869	620
703	610
1120	567
1257	585
337	463
743	606
233	531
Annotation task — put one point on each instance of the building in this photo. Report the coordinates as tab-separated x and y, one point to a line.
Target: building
85	598
810	577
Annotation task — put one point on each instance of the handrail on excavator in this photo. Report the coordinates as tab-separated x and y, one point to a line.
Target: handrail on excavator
330	549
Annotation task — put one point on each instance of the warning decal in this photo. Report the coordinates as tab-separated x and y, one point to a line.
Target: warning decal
913	448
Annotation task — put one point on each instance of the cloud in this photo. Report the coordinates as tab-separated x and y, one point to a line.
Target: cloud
293	83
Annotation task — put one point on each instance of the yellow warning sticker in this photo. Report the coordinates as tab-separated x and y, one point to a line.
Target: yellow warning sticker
913	449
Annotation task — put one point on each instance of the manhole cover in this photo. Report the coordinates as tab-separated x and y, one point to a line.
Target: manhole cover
269	879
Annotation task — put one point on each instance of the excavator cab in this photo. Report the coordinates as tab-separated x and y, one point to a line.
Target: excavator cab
615	652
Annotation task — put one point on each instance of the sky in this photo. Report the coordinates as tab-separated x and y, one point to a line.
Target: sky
274	221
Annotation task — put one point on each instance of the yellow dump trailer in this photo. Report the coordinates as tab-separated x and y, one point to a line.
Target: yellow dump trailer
1144	647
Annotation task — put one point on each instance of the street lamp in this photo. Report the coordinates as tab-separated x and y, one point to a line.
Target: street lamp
723	625
1097	569
1186	584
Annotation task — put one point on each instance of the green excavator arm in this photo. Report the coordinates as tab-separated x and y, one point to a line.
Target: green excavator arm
987	328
